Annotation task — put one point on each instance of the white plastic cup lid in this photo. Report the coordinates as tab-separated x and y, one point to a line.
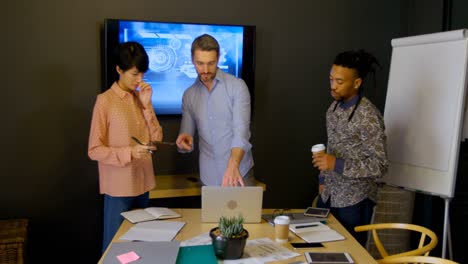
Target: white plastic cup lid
317	148
282	220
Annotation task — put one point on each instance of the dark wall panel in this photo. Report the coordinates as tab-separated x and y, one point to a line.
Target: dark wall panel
51	76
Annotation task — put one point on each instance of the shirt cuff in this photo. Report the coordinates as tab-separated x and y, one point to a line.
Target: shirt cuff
339	166
184	151
125	155
239	142
321	179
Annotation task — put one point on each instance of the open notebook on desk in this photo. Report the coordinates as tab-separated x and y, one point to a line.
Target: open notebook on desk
150	213
315	232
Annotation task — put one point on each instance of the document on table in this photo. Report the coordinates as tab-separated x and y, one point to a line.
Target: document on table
262	250
307	227
315	232
153	231
202	239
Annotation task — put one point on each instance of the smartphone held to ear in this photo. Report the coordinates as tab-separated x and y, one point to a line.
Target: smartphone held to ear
305	245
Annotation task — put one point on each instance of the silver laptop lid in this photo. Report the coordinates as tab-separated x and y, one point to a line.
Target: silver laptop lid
231	201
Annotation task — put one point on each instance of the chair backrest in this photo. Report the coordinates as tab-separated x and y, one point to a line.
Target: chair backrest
423	248
416	259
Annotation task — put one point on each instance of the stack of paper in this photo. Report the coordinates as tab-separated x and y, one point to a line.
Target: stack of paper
153	231
263	250
315	232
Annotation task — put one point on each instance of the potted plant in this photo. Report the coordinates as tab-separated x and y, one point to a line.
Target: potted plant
229	237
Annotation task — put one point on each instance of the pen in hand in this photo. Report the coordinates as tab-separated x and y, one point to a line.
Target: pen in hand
156	142
140	143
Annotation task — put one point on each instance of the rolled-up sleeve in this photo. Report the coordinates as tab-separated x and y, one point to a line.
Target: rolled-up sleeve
241	118
187	125
154	128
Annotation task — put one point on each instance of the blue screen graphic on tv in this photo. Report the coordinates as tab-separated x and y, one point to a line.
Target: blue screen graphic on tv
168	46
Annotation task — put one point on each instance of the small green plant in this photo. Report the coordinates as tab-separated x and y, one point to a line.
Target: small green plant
231	227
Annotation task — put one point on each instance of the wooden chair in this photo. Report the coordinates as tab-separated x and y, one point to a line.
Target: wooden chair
416	259
423	247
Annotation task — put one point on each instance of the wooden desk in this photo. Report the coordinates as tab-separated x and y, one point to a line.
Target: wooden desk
194	228
168	186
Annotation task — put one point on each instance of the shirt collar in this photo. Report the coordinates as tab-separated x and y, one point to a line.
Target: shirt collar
346	105
120	93
219	75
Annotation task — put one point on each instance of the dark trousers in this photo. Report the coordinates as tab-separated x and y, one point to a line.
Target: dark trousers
113	206
351	216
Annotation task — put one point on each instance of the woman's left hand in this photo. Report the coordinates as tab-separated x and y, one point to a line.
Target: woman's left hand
145	94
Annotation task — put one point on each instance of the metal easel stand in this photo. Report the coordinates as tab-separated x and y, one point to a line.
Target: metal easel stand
446	233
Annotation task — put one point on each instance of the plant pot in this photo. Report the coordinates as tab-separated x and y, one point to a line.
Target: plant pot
228	248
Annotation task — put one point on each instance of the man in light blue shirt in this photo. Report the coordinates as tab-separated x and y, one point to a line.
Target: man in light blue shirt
217	105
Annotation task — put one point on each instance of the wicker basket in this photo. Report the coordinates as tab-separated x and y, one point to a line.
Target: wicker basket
13	236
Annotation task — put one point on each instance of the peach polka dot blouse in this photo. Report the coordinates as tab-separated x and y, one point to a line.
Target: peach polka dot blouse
117	116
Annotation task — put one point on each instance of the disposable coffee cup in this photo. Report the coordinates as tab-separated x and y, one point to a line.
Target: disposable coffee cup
317	148
281	228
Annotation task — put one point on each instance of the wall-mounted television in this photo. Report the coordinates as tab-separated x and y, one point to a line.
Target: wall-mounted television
168	45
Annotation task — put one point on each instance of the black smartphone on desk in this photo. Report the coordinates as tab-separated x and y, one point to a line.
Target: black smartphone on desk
317	212
299	245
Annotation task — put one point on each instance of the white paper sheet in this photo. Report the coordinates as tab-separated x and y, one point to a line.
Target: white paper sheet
202	239
262	250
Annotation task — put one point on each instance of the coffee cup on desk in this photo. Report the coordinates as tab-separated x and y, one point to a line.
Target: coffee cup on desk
282	228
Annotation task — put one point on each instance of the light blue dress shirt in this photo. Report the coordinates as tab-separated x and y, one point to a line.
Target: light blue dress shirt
222	118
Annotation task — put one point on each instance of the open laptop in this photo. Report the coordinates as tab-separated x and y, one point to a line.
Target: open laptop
231	201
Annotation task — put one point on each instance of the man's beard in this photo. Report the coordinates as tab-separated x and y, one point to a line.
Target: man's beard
207	77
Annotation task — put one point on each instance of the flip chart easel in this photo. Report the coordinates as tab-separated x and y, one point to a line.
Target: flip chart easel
424	114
